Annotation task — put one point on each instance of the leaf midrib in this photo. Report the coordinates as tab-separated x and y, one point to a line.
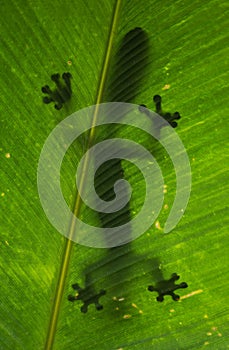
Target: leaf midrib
68	245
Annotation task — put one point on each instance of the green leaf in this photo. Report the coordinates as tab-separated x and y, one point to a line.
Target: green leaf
183	58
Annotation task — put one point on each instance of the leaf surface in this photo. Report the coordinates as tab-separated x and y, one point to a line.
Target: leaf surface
187	67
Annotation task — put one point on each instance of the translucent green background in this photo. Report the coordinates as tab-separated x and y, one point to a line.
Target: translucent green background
188	53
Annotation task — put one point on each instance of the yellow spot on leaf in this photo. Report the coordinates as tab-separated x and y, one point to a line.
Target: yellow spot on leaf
166	87
191	294
7	155
126	316
157	225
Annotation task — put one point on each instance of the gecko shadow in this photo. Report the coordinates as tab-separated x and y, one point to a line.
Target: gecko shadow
118	287
167	287
61	94
87	295
114	271
129	67
128	70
